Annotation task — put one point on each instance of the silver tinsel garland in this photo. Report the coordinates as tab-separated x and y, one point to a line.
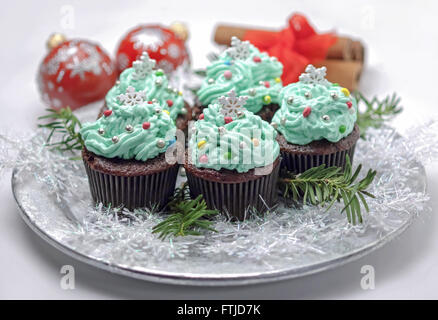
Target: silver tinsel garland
53	191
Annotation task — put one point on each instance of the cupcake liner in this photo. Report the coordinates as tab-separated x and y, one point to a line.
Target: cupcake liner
235	199
299	163
132	192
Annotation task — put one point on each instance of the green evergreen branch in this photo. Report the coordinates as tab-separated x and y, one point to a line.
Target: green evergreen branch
376	111
324	186
187	217
64	123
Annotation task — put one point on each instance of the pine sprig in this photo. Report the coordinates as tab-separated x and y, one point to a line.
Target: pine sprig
376	111
187	217
64	124
326	185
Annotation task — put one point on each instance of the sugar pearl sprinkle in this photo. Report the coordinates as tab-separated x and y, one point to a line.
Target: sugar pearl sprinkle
161	143
228	74
290	100
326	117
308	94
115	139
203	158
129	128
255	142
252	92
242	145
101	131
210	81
306	112
334	95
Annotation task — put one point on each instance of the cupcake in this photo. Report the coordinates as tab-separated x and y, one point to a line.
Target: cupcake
316	122
247	71
233	158
124	156
143	83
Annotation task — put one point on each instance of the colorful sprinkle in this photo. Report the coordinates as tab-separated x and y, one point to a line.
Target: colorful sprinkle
255	142
335	84
277	80
201	116
227	63
257	59
201	144
228	119
203	158
345	92
228	74
180	93
146	125
228	155
159	72
172	141
150	102
267	84
349	104
107	113
267	99
167	111
342	129
306	112
169	103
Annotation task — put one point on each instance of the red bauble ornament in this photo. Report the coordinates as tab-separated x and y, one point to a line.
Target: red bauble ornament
74	73
167	47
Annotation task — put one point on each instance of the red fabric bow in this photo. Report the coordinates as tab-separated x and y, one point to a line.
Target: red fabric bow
295	46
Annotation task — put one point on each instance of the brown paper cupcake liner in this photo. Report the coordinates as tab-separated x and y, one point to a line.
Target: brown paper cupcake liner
131	192
237	199
299	163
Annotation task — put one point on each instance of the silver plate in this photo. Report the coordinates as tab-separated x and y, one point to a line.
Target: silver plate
57	223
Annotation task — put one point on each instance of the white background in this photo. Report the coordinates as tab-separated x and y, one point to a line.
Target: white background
402	52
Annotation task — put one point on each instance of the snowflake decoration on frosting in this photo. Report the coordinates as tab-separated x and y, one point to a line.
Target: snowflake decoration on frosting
131	97
232	105
314	75
239	49
143	67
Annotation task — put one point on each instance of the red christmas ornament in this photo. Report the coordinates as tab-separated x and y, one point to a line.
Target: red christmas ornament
169	103
74	73
349	104
166	46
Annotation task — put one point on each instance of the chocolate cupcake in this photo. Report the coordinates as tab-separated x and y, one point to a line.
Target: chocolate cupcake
143	83
124	156
316	122
249	72
233	159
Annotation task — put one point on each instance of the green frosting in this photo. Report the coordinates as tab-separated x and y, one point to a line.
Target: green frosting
314	109
143	83
138	132
231	137
254	74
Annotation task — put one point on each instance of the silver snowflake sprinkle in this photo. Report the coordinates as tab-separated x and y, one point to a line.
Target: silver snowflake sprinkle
239	49
143	67
232	105
131	97
314	75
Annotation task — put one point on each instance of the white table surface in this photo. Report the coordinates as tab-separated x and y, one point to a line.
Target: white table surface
402	51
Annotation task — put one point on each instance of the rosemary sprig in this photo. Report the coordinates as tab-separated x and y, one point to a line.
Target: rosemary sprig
376	111
187	217
321	186
63	123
